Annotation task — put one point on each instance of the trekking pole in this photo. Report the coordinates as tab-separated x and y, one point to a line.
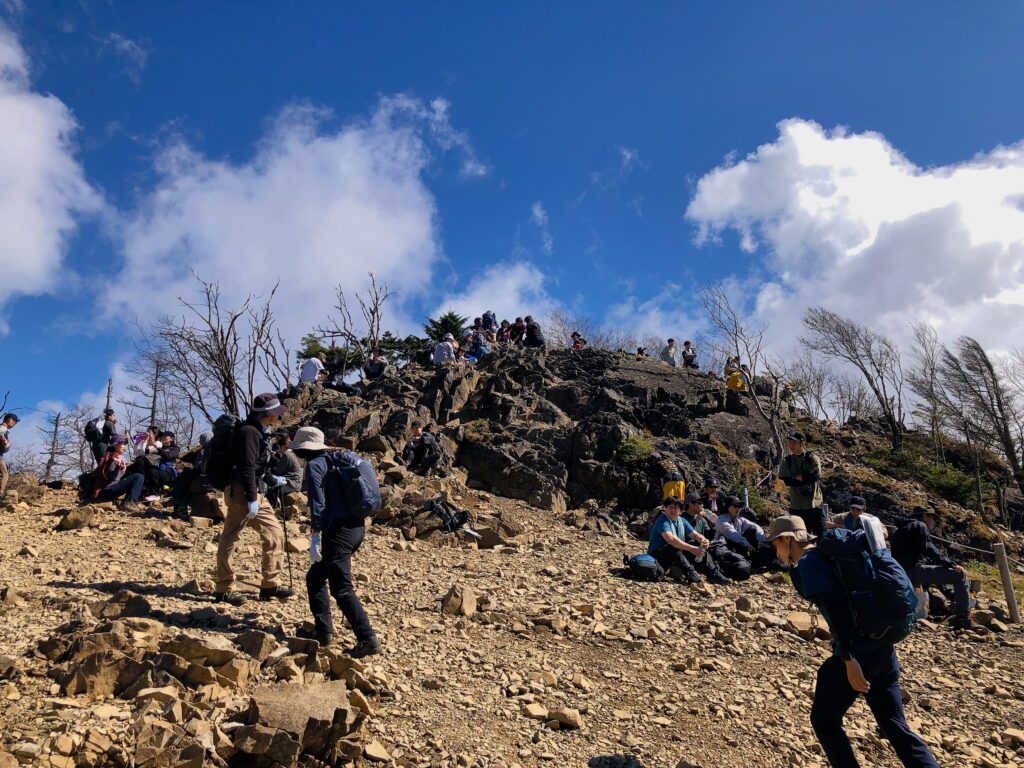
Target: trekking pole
287	548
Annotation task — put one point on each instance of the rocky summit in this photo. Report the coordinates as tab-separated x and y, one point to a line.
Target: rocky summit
521	646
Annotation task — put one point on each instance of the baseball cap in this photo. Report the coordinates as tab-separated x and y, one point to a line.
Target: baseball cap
857	502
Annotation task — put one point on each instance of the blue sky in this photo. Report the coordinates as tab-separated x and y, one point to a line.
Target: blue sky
556	149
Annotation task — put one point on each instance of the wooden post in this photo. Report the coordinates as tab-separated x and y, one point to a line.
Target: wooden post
999	549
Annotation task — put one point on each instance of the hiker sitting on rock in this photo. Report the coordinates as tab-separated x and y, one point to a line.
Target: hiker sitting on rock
714	499
739	533
422	451
444	351
668	545
312	370
699	518
338	531
576	340
377	366
641	353
157	462
913	548
504	333
859	664
112	480
517	332
857	519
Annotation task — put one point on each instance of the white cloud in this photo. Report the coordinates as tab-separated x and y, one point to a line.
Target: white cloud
664	315
848	222
43	189
539	217
314	208
510	290
133	54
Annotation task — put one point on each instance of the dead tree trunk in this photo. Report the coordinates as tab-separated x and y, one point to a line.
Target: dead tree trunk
51	459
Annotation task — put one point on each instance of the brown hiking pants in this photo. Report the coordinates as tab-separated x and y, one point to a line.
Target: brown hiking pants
4	477
271	535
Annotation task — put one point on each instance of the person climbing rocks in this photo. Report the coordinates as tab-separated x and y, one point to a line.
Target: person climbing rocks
312	370
801	472
247	504
670	474
534	336
338	531
859	665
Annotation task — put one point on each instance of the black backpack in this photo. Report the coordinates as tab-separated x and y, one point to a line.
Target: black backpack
94	430
219	454
86	485
643	567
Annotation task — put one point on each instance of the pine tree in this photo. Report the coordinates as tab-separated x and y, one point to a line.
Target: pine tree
450	322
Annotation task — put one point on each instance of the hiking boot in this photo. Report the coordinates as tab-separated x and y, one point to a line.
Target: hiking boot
276	593
324	638
966	623
231	598
720	579
130	506
364	648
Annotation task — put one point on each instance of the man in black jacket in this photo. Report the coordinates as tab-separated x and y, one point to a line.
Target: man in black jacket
534	335
247	504
913	548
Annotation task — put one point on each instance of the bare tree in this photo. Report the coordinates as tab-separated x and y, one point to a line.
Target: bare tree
875	356
732	333
217	358
988	405
812	383
735	334
923	380
560	324
52	435
24	460
852	399
358	340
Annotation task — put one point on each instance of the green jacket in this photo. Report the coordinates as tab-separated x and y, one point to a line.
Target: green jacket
805	494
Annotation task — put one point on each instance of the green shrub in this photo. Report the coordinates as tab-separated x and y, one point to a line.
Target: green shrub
634	449
943	480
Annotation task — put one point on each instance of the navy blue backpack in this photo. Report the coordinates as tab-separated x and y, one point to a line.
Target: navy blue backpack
643	567
358	482
879	594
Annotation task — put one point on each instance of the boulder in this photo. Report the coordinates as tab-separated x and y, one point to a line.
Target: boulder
257	644
76	517
290	707
801	624
460	601
213	651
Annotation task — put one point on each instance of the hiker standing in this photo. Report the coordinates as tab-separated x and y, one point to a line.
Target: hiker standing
100	434
858	663
913	548
250	456
670	354
801	471
338	530
9	420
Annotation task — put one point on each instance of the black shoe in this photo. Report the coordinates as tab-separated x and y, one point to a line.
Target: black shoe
964	622
231	598
720	579
364	648
276	593
324	638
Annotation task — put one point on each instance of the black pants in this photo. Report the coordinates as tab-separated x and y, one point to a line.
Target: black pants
670	557
337	545
814	519
762	556
833	697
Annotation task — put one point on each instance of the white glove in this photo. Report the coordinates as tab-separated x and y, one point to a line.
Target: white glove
254	509
315	556
278	480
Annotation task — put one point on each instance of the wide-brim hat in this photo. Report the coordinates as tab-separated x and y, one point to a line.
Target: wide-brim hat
309	439
920	510
267	404
788	526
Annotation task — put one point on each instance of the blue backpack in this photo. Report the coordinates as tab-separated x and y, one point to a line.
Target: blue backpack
643	568
879	594
358	482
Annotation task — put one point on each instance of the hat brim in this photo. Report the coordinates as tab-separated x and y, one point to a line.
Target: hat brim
277	410
310	445
803	537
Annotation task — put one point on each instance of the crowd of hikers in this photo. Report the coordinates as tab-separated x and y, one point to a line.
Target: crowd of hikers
866	579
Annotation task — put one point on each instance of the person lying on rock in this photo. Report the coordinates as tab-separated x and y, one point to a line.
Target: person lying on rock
422	451
668	543
858	664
